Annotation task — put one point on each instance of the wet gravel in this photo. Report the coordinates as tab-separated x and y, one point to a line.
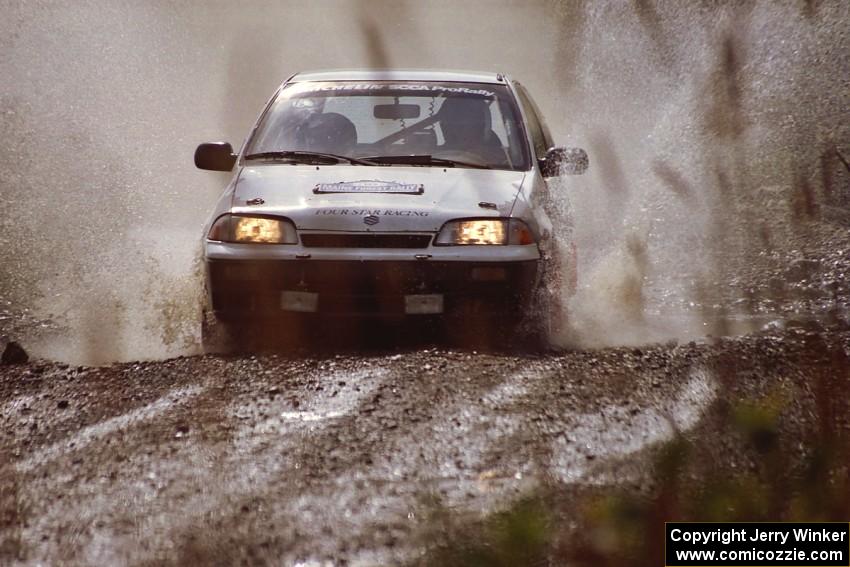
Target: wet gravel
281	459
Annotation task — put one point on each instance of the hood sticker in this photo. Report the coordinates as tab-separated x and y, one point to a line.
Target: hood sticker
370	186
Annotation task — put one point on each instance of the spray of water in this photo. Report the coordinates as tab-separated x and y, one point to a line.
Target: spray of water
697	144
691	113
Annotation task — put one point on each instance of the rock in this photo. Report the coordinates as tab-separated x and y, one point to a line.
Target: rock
14	354
62	404
775	325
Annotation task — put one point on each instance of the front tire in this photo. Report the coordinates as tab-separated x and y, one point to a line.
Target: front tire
546	319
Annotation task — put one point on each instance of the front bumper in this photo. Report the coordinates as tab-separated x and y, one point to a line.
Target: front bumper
255	288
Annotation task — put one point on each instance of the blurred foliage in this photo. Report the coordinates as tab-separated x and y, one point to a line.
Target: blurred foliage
800	476
521	535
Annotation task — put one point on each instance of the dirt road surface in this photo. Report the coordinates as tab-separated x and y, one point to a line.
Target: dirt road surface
340	459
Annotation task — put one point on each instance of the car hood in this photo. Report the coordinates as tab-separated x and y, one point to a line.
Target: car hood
446	193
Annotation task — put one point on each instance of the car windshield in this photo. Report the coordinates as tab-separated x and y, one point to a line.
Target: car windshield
433	123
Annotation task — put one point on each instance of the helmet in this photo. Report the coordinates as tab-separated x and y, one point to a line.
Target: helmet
328	132
465	118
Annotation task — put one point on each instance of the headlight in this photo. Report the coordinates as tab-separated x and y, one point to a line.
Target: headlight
263	230
484	231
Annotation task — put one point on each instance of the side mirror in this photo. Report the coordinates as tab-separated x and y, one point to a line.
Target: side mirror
564	161
215	156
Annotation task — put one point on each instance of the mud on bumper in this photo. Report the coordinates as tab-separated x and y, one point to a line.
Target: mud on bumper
250	288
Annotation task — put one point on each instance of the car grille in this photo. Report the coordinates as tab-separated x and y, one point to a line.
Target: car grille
366	240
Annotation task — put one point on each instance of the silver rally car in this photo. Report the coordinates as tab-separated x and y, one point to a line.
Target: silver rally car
387	193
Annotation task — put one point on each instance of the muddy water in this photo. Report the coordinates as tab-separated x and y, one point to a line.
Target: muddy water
694	116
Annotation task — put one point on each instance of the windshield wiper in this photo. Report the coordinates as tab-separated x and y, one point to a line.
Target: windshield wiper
305	156
422	159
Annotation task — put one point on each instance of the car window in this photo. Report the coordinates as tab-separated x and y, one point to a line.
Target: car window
540	136
472	122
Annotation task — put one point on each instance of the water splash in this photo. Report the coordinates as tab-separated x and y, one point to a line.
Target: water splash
687	110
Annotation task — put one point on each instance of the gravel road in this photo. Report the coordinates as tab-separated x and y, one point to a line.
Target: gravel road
341	458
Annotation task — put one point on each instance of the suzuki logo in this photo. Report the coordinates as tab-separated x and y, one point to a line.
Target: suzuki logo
371	220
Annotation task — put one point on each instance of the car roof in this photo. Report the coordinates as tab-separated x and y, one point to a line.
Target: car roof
399	75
